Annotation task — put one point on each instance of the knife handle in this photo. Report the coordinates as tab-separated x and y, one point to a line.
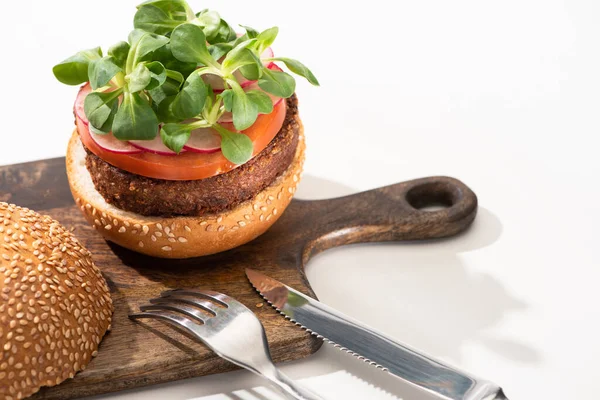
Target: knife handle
392	213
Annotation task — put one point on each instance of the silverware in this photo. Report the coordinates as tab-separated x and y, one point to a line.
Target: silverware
372	346
233	332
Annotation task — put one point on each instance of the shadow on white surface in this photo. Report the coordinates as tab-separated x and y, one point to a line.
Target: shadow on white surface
333	386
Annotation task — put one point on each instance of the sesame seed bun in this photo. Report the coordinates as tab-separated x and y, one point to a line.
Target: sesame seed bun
183	236
55	306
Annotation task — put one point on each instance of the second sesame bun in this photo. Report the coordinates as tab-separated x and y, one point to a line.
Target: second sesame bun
55	306
184	236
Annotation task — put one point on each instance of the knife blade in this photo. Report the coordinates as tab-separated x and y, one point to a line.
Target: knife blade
372	346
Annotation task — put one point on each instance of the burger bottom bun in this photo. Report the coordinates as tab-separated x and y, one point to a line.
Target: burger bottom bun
183	236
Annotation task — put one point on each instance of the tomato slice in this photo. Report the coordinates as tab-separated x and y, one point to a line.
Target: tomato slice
186	165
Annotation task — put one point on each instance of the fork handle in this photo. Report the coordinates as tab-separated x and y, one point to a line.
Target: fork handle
288	387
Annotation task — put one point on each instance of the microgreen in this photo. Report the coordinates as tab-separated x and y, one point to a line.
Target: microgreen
159	77
174	136
189	102
101	71
119	52
135	119
277	83
236	147
74	70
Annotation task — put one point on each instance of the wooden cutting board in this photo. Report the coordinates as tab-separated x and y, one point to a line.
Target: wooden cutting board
137	354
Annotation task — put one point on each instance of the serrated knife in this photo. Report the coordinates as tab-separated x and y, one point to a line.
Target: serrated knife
372	346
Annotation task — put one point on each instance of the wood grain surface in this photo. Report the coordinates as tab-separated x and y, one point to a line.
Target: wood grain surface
136	354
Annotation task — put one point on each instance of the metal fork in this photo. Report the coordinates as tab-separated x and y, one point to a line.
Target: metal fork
233	332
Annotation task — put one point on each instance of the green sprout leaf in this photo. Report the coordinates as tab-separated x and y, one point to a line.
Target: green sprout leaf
236	147
119	52
277	83
169	88
298	68
263	102
251	32
219	50
188	44
165	56
138	79
227	96
135	119
216	29
191	99
100	109
74	70
175	136
155	20
101	71
142	43
240	56
244	110
266	38
158	74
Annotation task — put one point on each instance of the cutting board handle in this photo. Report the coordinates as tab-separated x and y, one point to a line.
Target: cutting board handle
392	213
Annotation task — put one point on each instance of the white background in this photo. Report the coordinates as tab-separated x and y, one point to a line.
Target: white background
504	95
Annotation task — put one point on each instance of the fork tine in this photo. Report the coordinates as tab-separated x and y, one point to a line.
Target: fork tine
175	319
182	308
215	296
203	304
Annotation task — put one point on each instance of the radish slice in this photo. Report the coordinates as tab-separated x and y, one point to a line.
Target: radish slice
155	146
110	143
268	53
204	140
79	102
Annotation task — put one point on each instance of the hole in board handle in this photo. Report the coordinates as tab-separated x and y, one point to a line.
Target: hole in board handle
433	196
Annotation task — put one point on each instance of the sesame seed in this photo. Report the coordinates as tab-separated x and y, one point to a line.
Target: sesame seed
145	230
122	229
159	226
247	217
241	223
108	227
210	228
221	228
141	244
182	239
187	228
167	248
153	238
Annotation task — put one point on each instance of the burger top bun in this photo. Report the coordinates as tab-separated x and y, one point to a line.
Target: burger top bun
55	306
